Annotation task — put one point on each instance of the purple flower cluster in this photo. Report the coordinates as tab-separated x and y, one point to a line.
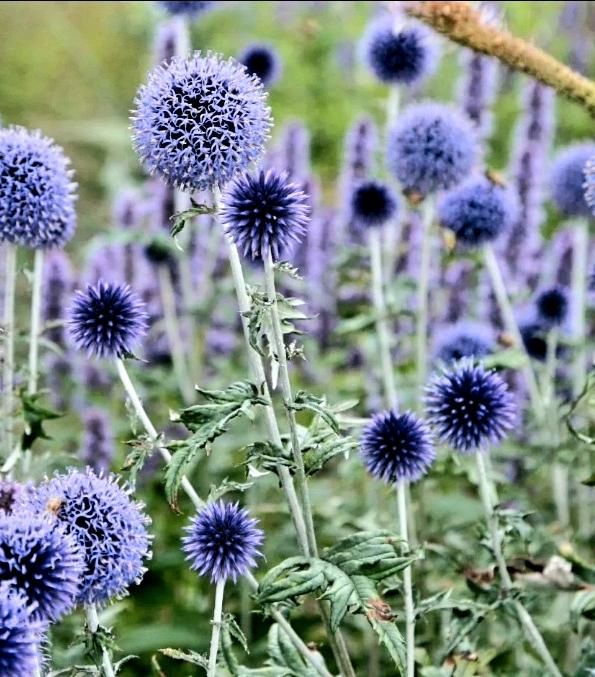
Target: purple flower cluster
189	8
20	635
464	340
477	89
97	450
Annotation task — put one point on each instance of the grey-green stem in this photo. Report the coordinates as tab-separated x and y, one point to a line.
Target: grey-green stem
9	330
93	625
216	629
421	335
35	322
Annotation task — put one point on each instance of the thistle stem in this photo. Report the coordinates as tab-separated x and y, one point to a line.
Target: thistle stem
407	582
93	625
172	330
488	492
216	631
421	336
35	322
9	329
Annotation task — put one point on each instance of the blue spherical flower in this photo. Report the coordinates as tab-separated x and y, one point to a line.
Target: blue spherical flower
263	62
264	210
190	8
469	407
431	147
552	306
373	203
20	635
478	211
107	320
464	339
109	528
39	559
200	121
589	184
36	190
397	447
223	541
534	339
403	55
567	179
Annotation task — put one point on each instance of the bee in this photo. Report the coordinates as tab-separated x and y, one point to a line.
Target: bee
54	505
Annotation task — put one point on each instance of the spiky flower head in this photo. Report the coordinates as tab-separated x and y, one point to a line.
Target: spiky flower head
107	320
200	121
222	541
469	407
20	635
589	184
464	340
552	306
37	193
399	55
373	204
431	147
262	61
567	179
189	8
397	447
264	210
534	336
109	528
39	559
478	211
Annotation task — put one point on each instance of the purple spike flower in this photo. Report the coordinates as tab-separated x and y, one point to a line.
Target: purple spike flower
397	447
469	407
97	449
567	179
262	61
264	210
58	284
189	8
295	151
107	320
171	39
109	528
37	194
106	261
127	209
477	89
223	541
200	121
39	559
20	635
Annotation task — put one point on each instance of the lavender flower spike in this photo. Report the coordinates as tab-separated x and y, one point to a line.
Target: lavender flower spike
97	450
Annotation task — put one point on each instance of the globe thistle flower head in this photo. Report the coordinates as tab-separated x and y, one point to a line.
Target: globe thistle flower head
431	147
399	55
20	635
397	447
263	62
464	340
534	334
109	528
373	204
478	211
41	561
222	541
200	121
37	193
567	179
189	8
469	407
589	184
552	306
264	210
107	320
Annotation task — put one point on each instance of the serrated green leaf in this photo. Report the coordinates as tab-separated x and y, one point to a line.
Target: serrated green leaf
187	656
141	449
217	491
35	415
284	655
304	400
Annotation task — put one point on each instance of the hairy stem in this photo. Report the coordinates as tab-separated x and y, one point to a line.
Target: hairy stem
421	334
93	625
8	356
216	631
35	322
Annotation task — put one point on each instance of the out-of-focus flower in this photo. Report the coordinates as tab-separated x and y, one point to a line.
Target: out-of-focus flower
262	61
373	204
20	635
567	179
464	339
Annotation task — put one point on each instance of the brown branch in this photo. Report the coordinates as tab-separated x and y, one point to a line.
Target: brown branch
460	22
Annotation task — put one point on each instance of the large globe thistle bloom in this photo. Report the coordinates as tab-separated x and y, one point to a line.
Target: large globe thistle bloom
39	559
477	211
222	541
189	8
469	407
464	340
589	184
264	210
431	147
107	320
200	121
19	635
263	62
567	179
109	528
372	204
399	55
36	190
397	447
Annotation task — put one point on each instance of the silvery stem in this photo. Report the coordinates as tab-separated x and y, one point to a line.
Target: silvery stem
421	335
8	356
216	631
35	322
93	625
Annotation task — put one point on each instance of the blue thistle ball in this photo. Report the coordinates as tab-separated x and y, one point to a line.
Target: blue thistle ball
589	184
397	447
37	193
478	211
469	407
107	320
399	56
222	541
552	306
373	204
263	62
109	528
264	210
567	179
20	635
43	562
534	339
464	340
200	121
431	147
189	8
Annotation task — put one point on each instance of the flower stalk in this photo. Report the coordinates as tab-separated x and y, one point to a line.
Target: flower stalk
216	631
93	625
9	329
35	322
